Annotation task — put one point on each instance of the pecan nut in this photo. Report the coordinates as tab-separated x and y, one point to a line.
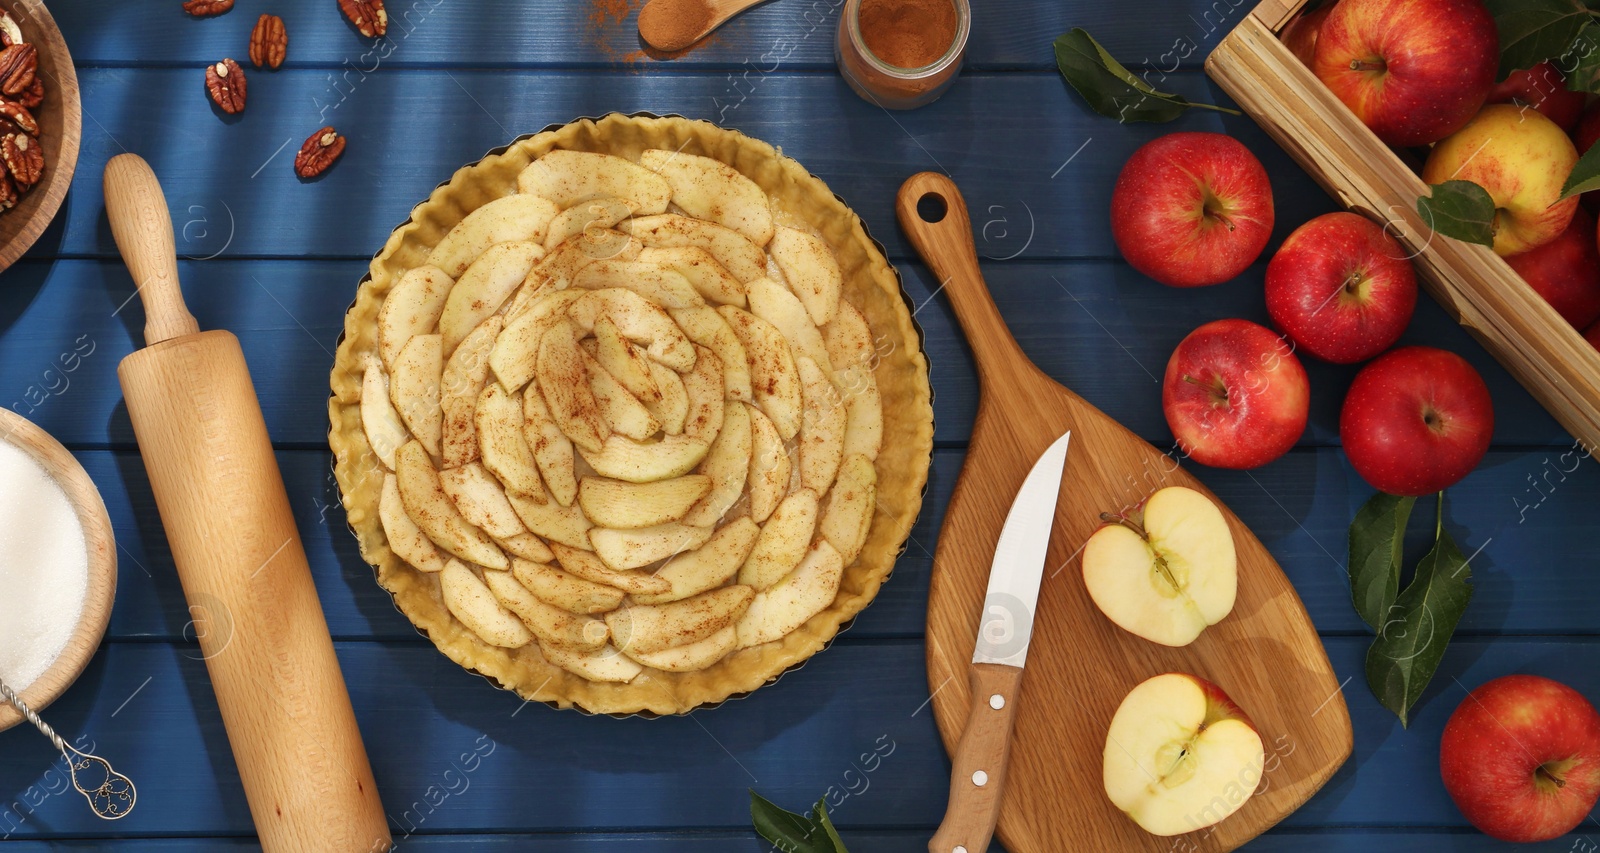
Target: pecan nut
318	153
17	66
34	96
207	8
368	15
269	42
8	192
225	81
10	33
24	158
17	116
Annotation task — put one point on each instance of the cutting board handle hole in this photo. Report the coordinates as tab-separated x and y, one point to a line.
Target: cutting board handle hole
932	207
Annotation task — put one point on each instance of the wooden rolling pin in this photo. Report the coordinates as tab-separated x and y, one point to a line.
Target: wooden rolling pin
233	538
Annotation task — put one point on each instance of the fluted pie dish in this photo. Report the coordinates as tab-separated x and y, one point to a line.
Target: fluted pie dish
631	416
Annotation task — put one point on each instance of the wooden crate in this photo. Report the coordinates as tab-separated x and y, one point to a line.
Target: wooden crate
1474	284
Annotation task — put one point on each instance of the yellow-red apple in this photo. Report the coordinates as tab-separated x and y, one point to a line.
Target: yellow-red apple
1522	159
1414	71
1300	36
1566	271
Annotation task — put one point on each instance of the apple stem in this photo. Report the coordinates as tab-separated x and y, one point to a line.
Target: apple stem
1125	521
1368	65
1544	772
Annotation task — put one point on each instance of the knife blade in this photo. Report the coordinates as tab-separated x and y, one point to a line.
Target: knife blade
1004	632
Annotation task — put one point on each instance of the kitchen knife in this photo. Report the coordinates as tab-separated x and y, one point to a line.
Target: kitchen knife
978	777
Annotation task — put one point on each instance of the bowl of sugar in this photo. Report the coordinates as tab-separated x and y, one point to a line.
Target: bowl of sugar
58	566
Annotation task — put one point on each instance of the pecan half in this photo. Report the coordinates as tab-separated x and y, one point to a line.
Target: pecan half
207	8
10	33
368	15
318	153
8	192
17	66
24	158
34	96
269	41
225	82
18	116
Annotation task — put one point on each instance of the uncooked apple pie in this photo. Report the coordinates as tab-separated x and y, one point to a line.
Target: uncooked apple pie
631	415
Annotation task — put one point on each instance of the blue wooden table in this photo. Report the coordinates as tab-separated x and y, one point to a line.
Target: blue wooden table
277	261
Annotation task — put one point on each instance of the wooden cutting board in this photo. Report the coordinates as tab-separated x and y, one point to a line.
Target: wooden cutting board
1266	654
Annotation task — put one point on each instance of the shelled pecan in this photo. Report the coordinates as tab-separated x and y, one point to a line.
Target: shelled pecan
24	159
17	66
318	152
8	192
34	96
10	33
207	8
368	15
225	81
13	114
269	42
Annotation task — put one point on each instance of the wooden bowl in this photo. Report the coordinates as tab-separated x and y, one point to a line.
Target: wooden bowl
85	499
60	120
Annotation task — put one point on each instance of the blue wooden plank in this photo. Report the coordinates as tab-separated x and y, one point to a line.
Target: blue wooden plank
149	707
559	33
1097	326
1531	573
1031	125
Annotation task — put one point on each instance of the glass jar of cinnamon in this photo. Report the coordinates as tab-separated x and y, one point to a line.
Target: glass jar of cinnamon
901	54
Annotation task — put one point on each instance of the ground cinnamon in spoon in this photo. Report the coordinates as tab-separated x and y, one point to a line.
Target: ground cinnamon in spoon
907	33
673	24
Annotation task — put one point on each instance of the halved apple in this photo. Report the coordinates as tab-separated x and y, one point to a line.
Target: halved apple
412	308
427	504
468	599
731	249
484	287
512	218
385	432
774	379
565	590
481	500
726	467
646	628
414	389
1180	755
621	505
406	539
552	450
711	279
632	549
707	567
1166	571
791	602
569	177
783	541
550	624
811	270
714	191
465	373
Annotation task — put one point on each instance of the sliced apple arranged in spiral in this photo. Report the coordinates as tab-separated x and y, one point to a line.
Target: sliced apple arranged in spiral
625	417
1165	571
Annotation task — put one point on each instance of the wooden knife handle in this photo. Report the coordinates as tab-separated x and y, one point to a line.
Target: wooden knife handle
934	216
142	228
978	777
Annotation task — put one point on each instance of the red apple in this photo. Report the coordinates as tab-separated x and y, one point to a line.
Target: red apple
1592	335
1412	70
1566	271
1234	395
1544	88
1416	421
1191	209
1301	34
1584	136
1341	288
1521	758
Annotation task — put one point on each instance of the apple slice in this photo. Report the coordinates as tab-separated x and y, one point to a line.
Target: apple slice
484	287
790	603
1166	572
412	308
625	363
779	306
552	521
659	285
385	432
414	389
726	467
503	444
703	325
516	351
621	411
811	270
690	657
468	599
822	426
647	628
608	664
552	450
564	590
406	539
550	624
597	214
465	374
1180	755
848	516
569	177
632	549
714	191
731	249
481	500
709	566
769	466
526	545
624	506
563	378
783	541
589	566
774	379
506	219
711	279
639	320
426	503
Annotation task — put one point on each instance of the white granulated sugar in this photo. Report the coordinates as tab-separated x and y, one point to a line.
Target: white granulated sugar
44	568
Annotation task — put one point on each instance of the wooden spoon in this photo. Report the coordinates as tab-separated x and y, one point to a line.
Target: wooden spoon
671	25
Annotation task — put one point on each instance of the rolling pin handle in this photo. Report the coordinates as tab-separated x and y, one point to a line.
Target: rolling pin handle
142	228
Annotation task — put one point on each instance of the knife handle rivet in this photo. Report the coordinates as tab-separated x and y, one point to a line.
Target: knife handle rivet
980	778
959	849
997	701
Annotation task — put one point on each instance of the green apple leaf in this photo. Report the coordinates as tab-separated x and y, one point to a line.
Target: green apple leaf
1532	31
1376	538
795	833
1460	209
1110	88
1416	631
1585	174
1581	63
